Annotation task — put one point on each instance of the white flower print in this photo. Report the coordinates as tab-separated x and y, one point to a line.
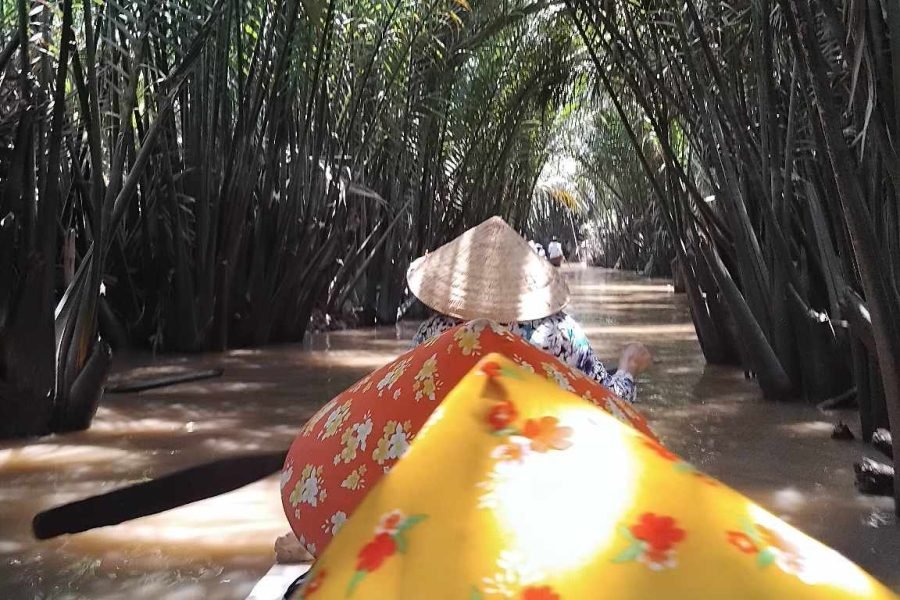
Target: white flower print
354	438
286	476
359	385
363	430
554	375
335	522
398	443
309	493
335	420
426	383
393	443
393	375
309	489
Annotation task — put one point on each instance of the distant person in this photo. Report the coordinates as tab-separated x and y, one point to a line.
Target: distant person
490	272
584	253
555	252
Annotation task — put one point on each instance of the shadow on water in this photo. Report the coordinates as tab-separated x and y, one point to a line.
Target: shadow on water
780	455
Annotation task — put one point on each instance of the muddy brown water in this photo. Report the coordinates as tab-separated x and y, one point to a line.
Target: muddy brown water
781	455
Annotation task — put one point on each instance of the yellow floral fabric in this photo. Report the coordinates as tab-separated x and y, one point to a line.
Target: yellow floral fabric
517	489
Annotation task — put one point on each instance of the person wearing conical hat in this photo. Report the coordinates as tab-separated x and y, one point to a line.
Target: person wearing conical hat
490	272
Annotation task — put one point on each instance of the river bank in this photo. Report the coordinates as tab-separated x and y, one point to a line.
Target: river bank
779	454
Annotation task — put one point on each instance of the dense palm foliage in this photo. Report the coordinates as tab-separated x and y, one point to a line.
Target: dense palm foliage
626	229
192	176
787	112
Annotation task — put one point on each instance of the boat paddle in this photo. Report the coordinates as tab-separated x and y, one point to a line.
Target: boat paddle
157	495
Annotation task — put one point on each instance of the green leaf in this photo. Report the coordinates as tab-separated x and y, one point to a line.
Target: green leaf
410	521
765	558
400	541
683	467
355	581
506	432
749	528
630	554
511	373
476	594
626	533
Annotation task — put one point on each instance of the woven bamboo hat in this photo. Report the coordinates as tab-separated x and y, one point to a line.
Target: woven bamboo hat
489	272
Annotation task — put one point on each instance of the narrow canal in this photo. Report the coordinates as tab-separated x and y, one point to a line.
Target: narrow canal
779	454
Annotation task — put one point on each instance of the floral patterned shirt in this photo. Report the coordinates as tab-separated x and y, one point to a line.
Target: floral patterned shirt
559	335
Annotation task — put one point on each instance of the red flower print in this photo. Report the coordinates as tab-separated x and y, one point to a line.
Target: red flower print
390	522
742	542
389	540
314	584
502	415
539	593
659	532
376	552
707	479
511	452
491	369
773	539
664	453
546	434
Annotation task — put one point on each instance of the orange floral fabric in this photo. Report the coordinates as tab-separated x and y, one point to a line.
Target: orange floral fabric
346	447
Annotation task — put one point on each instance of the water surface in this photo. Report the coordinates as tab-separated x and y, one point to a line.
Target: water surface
781	455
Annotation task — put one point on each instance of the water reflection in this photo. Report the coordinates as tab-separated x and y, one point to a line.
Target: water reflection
780	455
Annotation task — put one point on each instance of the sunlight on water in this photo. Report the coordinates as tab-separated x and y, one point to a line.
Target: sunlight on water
54	456
780	455
357	359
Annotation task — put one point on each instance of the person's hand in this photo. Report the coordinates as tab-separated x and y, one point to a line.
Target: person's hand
289	551
635	358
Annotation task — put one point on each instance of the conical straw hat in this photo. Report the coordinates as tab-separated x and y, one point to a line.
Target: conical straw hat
488	272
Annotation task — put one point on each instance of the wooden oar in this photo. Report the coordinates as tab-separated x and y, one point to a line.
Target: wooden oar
149	384
158	495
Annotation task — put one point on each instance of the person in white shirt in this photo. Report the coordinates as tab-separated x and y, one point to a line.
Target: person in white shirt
555	252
